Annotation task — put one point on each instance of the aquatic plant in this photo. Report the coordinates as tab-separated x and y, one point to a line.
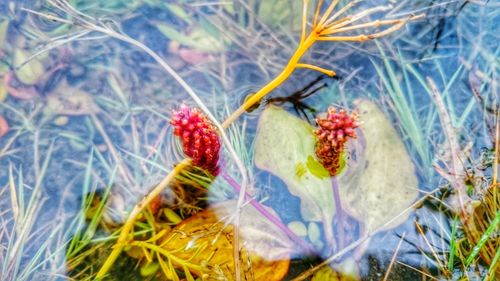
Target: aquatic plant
332	134
334	131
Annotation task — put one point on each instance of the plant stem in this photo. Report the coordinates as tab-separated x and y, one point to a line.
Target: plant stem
129	224
287	71
272	218
339	212
495	162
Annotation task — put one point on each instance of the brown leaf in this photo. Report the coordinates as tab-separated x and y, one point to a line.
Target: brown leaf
18	91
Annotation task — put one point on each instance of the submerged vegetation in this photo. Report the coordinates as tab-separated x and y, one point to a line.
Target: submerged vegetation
109	171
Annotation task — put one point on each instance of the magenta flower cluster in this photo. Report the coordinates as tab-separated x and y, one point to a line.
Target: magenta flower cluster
199	138
334	130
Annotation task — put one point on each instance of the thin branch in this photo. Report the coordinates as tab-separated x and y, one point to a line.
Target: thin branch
364	37
56	43
304	20
48	16
418	270
454	147
119	162
393	259
377	23
431	249
339	13
328	72
495	162
358	16
327	13
316	13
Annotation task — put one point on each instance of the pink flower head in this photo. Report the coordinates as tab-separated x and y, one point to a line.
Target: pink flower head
333	133
199	138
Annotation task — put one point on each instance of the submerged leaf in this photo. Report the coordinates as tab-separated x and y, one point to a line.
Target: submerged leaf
386	184
284	146
314	234
4	25
198	39
19	91
30	72
72	101
206	239
298	228
3	91
281	13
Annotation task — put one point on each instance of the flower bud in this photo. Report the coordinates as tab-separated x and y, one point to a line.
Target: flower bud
332	133
199	138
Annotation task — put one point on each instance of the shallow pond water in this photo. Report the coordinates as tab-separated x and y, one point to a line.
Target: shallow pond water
96	103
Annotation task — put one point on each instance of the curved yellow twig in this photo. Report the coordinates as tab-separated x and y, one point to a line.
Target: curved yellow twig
129	224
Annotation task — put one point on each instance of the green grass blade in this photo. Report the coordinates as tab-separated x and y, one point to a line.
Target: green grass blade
491	270
453	245
484	238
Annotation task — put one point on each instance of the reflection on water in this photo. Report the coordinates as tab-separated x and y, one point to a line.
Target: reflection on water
85	134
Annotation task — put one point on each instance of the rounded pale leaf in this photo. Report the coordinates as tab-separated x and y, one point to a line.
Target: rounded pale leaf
386	184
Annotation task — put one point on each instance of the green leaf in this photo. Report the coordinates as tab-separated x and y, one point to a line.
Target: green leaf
3	91
149	268
281	13
384	183
199	39
4	24
492	228
316	168
179	12
172	216
284	146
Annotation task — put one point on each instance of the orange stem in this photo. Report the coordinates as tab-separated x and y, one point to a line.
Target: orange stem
280	78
